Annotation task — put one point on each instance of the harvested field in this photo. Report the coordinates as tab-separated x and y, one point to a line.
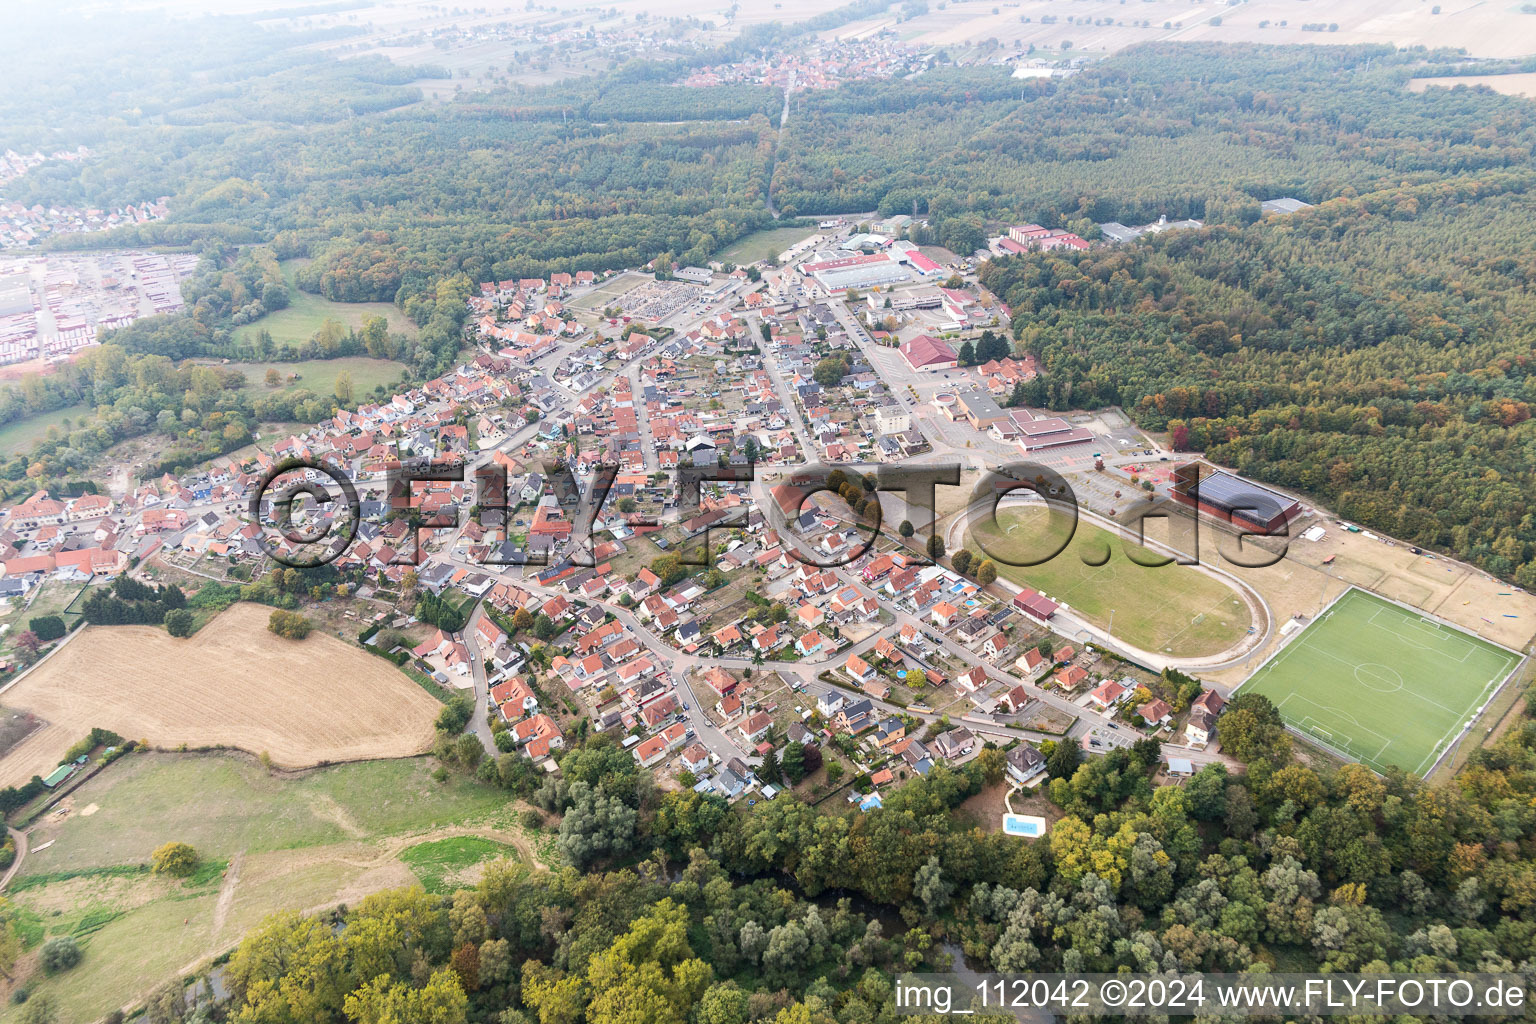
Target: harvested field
233	684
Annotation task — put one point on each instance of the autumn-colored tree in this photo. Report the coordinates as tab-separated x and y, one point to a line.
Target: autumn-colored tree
175	859
466	964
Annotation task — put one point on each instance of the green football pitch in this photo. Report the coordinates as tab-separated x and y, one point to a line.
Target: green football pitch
1382	683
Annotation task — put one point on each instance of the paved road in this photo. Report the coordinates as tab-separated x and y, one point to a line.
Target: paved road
643	420
808	449
477	722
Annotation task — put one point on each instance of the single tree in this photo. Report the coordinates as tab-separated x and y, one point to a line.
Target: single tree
175	859
47	627
1064	759
60	953
769	771
28	644
793	763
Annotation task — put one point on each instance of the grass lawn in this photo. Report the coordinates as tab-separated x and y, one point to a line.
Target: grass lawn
1380	682
319	375
51	598
762	245
442	864
306	313
225	805
21	435
128	929
1174	609
267	843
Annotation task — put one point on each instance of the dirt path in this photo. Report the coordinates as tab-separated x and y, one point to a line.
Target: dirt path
373	866
391	848
324	806
21	855
226	895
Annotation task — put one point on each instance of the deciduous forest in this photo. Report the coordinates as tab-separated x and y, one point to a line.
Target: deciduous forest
675	909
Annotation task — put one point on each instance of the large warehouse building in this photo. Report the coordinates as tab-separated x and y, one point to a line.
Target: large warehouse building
1234	500
841	273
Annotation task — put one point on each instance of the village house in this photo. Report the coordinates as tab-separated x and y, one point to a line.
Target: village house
537	736
1200	729
955	743
830	703
756	727
696	758
810	643
1015	700
943	614
972	679
1071	677
855	717
1155	712
1024	763
514	698
1107	694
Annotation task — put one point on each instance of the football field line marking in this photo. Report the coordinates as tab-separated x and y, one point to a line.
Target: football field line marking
1406	629
1354	666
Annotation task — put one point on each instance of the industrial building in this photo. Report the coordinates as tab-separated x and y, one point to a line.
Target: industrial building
839	274
1234	500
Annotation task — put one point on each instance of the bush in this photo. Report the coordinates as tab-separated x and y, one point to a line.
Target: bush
175	859
60	953
455	715
39	1011
47	627
179	622
289	624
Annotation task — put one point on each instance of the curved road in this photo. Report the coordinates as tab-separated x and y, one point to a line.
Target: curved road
21	855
